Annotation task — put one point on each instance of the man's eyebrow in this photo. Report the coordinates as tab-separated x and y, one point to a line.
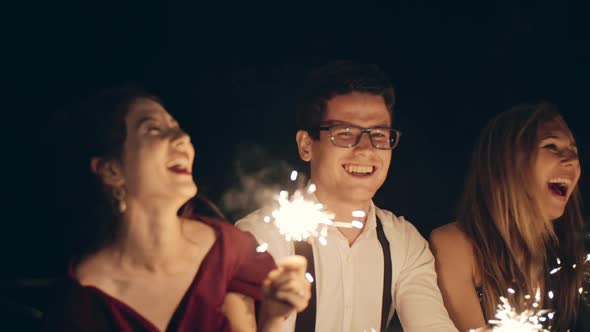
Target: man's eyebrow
344	123
336	122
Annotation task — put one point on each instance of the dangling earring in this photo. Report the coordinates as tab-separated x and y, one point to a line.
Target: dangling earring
119	194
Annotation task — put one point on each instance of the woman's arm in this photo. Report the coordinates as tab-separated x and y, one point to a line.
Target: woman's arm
454	262
239	310
284	291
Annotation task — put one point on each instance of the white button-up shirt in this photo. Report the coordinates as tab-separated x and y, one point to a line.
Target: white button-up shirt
349	279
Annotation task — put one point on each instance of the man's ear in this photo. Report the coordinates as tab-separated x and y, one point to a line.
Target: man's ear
304	145
109	171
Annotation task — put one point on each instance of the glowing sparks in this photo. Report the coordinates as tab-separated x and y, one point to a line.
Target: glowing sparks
262	247
309	277
342	224
558	261
298	218
550	294
529	320
357	224
584	259
358	214
581	290
555	270
508	320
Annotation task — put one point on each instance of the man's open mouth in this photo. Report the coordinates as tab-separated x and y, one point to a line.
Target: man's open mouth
359	170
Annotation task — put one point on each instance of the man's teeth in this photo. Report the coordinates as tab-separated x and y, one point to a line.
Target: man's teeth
358	169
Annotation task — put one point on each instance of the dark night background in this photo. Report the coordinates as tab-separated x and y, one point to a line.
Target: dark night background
231	82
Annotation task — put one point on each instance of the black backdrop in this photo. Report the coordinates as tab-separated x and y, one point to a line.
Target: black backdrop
231	79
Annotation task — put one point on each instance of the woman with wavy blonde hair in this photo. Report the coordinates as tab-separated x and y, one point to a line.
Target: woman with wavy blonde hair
519	218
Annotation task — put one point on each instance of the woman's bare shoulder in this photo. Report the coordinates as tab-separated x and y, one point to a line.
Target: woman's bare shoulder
93	270
450	232
451	239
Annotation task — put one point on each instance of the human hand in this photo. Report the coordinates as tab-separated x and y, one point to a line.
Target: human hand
286	290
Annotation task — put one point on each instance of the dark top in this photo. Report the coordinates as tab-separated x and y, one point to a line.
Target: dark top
231	265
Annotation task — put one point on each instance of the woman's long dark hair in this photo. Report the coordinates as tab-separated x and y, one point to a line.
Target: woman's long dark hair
101	132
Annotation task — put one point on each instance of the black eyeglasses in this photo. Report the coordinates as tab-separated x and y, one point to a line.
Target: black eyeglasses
347	136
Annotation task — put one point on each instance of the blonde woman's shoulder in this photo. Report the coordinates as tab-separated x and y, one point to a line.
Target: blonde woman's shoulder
450	236
453	249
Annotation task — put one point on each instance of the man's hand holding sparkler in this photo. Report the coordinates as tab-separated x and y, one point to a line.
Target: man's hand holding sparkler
286	290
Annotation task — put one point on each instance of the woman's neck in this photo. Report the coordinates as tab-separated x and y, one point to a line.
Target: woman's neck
150	238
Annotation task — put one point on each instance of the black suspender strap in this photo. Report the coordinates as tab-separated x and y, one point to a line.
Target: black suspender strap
387	271
306	319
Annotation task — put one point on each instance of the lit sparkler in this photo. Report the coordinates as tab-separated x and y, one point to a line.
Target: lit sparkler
298	217
529	320
508	320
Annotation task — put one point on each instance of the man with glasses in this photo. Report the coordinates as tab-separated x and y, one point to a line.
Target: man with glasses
362	275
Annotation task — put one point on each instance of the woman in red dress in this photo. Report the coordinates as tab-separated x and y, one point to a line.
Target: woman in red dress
147	268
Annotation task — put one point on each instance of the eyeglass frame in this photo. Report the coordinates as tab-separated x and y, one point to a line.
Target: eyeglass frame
360	136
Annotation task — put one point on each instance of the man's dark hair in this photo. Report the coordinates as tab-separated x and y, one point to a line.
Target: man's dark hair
339	78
